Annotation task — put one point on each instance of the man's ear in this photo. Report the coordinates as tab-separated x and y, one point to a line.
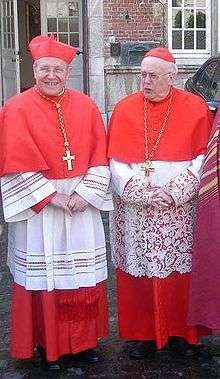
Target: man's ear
34	70
68	71
173	76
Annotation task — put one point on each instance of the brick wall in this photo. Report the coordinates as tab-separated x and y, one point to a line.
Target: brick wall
132	20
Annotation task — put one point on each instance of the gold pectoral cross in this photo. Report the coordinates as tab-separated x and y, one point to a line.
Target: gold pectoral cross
69	158
147	167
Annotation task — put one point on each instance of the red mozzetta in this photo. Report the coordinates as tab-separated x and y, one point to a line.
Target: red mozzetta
180	141
31	142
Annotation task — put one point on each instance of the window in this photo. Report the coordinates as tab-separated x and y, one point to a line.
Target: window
8	33
189	26
63	20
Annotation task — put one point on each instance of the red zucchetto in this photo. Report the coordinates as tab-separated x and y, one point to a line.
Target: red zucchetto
162	53
44	46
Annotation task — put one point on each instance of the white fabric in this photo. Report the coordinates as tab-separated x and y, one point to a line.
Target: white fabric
53	250
196	166
137	192
94	188
183	187
150	242
21	191
121	173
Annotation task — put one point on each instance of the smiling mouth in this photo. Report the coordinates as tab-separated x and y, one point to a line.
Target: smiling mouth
51	84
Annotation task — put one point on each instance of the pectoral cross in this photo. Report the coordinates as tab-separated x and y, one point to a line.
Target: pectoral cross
69	158
147	167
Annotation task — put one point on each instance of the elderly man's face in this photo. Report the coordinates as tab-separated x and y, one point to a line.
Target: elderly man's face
156	78
50	75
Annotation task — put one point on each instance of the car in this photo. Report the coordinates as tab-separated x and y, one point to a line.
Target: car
206	83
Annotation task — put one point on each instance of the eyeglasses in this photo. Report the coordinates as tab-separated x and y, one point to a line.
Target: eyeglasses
54	70
152	76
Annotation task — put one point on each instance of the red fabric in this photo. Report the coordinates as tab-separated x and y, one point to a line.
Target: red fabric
155	309
73	303
204	306
32	141
185	136
162	53
36	318
44	46
43	203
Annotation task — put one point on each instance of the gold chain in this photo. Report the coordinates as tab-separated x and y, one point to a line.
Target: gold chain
61	125
147	166
149	156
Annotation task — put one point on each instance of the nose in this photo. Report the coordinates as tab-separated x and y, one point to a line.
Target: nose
146	78
51	74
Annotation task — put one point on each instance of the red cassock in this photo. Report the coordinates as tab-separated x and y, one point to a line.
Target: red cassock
154	308
37	318
62	321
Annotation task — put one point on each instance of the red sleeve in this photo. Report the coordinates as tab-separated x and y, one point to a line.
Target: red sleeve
39	206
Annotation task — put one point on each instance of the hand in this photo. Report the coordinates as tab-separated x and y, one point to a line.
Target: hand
61	201
77	203
161	199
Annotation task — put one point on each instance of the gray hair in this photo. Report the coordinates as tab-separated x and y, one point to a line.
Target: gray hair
171	66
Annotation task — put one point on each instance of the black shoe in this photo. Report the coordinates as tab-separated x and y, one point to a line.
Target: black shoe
181	347
50	366
88	356
142	349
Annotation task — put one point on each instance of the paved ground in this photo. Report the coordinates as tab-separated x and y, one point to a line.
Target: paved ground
116	364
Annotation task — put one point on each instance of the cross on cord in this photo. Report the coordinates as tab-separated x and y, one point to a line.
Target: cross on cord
69	158
147	167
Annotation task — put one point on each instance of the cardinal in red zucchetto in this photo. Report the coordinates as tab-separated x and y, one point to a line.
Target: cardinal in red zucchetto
157	142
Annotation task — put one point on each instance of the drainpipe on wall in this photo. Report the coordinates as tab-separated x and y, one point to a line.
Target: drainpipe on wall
107	116
1	66
85	21
163	3
214	28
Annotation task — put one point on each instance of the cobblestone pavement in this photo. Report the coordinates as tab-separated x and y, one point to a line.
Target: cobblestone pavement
116	364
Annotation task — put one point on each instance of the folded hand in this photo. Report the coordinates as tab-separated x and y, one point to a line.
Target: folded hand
61	200
77	203
161	199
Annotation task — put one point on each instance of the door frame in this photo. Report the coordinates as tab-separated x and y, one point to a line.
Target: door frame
85	43
1	67
85	50
16	57
16	31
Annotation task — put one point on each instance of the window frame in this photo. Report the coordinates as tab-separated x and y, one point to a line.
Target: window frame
58	33
191	53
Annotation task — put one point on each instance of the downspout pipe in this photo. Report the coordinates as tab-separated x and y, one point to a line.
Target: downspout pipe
1	63
163	21
85	22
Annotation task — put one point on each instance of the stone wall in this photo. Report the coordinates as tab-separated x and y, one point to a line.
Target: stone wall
121	81
96	53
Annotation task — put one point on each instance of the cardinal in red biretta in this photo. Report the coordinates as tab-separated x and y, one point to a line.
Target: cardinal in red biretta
54	183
